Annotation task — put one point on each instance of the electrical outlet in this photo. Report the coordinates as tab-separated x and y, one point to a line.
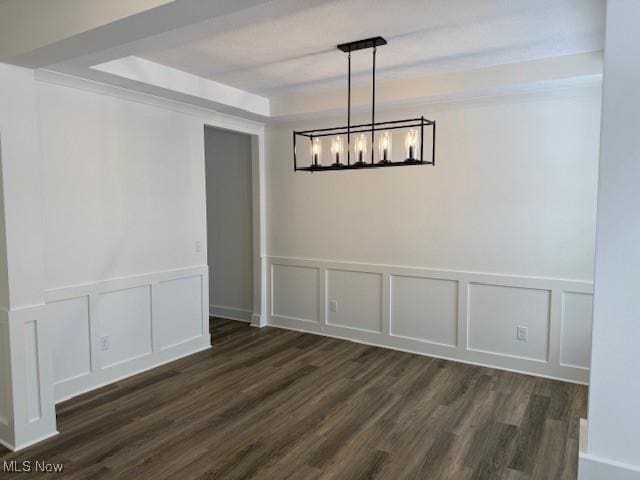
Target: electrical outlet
521	333
198	246
333	306
104	343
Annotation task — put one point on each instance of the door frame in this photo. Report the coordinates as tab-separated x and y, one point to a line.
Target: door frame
256	131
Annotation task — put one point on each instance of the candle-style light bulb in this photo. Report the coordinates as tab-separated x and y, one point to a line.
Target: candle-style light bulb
384	147
411	144
336	150
316	149
361	148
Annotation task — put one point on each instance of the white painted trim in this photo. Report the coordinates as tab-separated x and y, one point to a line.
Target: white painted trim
211	117
259	219
7	445
419	352
28	444
258	317
135	370
259	320
118	283
550	368
593	467
490	278
23	428
99	374
144	71
232	313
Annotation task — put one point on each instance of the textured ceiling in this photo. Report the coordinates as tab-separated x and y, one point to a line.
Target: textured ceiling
292	50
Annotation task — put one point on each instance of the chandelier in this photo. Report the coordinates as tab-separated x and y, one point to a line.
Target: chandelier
367	145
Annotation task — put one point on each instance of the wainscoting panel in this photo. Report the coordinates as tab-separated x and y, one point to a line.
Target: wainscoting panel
178	311
34	405
5	377
424	309
71	359
470	317
358	300
30	415
577	310
495	312
124	317
115	328
295	293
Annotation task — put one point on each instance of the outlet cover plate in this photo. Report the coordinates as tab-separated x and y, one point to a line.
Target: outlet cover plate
521	333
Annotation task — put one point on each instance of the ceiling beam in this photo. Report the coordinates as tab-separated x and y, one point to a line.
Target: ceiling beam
41	33
153	78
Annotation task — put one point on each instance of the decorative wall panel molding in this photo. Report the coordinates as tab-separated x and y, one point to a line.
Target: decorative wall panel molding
31	340
70	315
5	375
471	317
495	312
296	293
357	297
27	415
177	305
577	312
424	309
119	327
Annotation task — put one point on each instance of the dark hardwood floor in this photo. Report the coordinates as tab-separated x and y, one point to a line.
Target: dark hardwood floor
275	404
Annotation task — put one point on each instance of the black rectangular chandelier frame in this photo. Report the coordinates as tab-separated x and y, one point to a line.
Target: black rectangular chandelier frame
371	127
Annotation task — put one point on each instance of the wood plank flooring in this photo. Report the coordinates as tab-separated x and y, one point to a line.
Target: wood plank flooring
276	404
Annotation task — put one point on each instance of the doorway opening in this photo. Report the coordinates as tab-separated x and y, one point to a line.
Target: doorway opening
229	156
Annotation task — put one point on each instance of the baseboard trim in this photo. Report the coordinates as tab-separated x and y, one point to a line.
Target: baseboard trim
28	444
231	313
74	391
7	445
258	321
453	358
592	467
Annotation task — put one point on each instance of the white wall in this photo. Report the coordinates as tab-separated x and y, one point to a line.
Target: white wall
124	214
229	223
499	234
124	187
613	445
105	239
27	412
